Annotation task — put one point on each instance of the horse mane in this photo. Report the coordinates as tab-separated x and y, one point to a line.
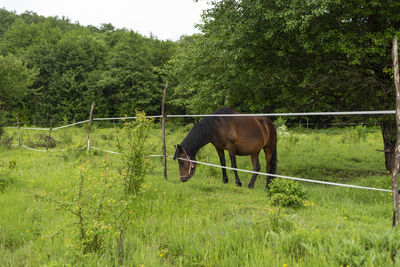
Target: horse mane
202	133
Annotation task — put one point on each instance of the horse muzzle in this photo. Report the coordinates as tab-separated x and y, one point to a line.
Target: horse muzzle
186	178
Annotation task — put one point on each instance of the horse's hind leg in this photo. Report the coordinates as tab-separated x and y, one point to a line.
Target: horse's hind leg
221	155
270	156
256	168
232	156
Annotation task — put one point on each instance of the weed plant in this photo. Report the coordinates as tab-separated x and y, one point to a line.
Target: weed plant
134	157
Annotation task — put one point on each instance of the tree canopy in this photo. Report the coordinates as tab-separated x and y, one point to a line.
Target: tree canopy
252	55
291	55
259	55
73	66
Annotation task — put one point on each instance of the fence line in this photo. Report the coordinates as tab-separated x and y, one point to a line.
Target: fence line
39	150
100	149
263	173
379	112
235	115
340	113
28	128
69	125
285	177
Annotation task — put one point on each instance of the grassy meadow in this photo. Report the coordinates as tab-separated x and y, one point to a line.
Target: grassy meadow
204	222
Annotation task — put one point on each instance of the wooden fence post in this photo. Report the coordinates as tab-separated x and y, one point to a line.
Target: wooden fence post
19	136
90	125
395	190
163	131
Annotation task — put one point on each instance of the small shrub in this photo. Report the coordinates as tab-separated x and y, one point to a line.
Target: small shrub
287	187
95	199
132	149
283	200
286	193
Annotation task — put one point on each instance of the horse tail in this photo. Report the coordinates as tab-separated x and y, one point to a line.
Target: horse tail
274	159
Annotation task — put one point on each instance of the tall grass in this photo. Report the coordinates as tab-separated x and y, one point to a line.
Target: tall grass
204	222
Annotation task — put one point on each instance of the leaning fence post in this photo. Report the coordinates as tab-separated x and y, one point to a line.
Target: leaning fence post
163	131
90	125
395	192
19	136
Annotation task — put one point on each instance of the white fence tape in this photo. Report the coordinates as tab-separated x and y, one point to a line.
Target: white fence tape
267	174
124	118
108	151
287	177
69	125
379	112
28	128
40	150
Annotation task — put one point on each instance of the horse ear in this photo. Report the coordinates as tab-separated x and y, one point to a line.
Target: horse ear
180	148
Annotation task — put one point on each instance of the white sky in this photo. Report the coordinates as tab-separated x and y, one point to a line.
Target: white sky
166	19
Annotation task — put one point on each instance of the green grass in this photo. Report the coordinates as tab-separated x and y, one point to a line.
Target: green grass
204	222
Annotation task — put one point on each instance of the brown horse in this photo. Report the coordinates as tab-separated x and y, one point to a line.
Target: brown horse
238	135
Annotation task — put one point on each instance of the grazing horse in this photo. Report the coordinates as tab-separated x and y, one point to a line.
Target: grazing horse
238	135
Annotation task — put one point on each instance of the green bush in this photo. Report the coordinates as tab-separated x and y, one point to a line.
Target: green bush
287	187
134	157
286	193
283	200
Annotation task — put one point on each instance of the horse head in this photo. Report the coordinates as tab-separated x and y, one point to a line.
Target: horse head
187	168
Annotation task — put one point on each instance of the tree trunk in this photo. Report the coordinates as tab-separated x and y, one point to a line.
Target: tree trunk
389	142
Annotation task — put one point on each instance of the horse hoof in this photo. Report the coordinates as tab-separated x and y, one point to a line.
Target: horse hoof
239	184
251	186
225	181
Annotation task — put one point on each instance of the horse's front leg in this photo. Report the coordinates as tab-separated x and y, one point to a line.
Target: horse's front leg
221	155
232	156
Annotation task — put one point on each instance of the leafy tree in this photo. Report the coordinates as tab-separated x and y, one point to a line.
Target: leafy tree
15	80
133	82
291	56
6	20
116	68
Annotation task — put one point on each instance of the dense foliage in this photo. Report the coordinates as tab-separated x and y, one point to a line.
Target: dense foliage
63	67
292	56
